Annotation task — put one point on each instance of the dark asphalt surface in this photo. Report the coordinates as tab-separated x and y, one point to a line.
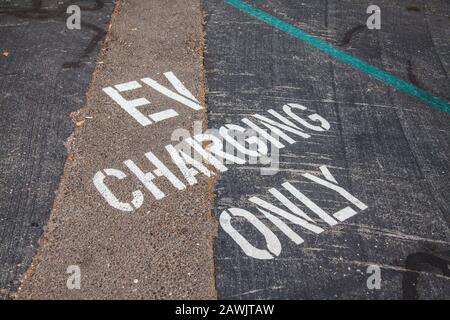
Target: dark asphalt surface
387	148
45	70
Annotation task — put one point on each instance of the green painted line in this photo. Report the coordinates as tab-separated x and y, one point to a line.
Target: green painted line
340	55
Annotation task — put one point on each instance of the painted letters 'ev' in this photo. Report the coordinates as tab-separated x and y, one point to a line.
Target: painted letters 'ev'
131	106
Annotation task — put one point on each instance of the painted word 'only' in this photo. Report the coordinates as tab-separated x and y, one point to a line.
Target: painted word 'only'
295	216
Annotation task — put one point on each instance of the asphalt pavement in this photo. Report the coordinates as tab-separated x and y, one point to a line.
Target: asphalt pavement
387	148
335	135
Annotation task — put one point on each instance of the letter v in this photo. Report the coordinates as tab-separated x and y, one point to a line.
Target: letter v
183	96
332	184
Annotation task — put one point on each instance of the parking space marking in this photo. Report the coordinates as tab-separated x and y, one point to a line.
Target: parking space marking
342	56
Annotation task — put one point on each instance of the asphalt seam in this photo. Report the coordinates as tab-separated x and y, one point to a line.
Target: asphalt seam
212	180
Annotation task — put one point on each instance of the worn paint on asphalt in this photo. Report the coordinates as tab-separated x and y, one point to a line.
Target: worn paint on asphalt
342	56
383	147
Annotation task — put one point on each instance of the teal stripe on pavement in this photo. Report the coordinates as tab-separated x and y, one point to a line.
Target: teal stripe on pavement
342	56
